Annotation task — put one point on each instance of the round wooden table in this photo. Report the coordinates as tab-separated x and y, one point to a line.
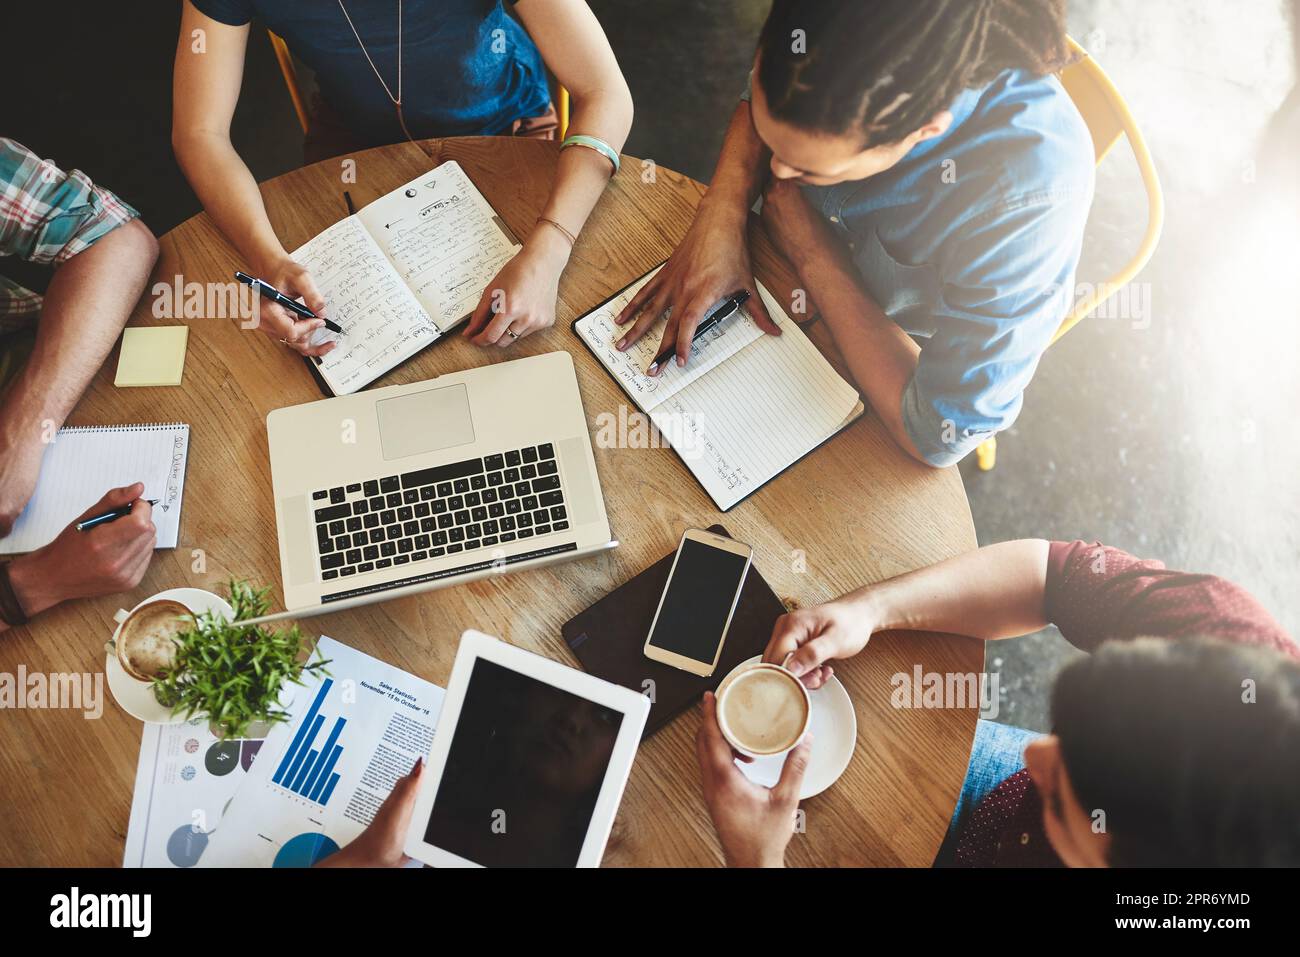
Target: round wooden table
857	510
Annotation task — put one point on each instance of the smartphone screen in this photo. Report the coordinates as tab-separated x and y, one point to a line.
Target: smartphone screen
698	601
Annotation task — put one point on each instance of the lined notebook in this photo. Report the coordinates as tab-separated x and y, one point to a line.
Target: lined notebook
84	462
397	274
747	405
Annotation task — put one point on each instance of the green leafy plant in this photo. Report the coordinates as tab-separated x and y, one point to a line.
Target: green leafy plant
231	673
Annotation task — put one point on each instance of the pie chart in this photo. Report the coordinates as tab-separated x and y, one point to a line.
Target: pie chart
304	850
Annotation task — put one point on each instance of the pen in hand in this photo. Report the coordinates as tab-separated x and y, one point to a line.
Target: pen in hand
724	310
267	291
112	516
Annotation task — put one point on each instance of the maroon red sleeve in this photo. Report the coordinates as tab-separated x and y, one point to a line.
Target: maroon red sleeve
1095	593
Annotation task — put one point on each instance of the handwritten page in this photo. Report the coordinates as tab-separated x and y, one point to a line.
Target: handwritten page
599	330
755	404
383	322
82	463
402	271
444	240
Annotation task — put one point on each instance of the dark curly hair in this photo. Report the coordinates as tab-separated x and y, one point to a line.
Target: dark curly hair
1160	735
884	67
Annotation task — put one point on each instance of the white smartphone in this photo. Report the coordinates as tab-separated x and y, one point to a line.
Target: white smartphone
695	610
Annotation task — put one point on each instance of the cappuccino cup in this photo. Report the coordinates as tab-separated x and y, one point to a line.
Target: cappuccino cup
145	640
763	710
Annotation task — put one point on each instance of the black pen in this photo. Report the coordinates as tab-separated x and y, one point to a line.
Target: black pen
347	198
107	517
725	310
267	291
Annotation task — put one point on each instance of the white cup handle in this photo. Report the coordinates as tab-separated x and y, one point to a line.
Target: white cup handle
121	615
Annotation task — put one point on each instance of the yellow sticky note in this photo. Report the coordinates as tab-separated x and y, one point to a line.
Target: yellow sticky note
152	355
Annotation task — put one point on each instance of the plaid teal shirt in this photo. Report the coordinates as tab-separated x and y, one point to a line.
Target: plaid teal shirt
47	216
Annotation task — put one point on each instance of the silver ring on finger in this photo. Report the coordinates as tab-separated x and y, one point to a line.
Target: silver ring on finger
512	334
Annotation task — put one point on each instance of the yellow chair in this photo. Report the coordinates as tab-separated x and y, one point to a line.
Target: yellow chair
290	73
1108	118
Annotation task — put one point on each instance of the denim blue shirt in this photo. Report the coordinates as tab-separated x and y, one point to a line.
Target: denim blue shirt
468	68
970	244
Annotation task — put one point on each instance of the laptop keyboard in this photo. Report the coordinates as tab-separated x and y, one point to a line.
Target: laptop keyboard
430	513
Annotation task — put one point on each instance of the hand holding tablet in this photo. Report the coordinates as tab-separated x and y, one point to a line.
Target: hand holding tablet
528	765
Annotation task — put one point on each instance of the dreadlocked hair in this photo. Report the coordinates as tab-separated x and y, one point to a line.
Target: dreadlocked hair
883	68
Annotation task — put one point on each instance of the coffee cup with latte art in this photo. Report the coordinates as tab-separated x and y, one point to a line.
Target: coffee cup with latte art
145	641
763	709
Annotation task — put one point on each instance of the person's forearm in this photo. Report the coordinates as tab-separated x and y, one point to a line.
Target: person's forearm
582	174
992	592
35	586
229	195
880	355
739	174
88	302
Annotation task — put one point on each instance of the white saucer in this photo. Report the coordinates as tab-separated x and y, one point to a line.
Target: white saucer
136	697
834	728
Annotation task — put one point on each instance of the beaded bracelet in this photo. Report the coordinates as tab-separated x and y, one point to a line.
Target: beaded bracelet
592	143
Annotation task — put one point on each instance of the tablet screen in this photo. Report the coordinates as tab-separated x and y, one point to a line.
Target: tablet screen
525	766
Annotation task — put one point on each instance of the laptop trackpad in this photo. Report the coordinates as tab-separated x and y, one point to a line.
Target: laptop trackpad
425	421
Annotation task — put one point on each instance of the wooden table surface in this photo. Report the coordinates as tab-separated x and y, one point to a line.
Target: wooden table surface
857	510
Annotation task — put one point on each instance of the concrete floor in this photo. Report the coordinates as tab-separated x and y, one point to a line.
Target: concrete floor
1170	434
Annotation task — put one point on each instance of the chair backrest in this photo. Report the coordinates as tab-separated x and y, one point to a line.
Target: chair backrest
1108	118
290	73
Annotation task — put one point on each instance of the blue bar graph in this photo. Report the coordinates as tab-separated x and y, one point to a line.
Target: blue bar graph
329	789
294	745
305	769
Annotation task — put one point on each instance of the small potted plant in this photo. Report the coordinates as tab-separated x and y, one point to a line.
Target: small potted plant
235	674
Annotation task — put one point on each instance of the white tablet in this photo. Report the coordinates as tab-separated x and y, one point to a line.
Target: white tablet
528	763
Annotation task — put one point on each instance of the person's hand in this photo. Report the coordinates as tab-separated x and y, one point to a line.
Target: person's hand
814	636
754	823
520	299
20	467
381	843
286	327
711	263
105	560
797	230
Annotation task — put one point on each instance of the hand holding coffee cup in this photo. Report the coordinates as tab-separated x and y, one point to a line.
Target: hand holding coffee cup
763	709
754	822
807	639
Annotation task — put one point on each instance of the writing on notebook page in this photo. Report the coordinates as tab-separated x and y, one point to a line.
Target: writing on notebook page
382	321
755	403
447	248
602	334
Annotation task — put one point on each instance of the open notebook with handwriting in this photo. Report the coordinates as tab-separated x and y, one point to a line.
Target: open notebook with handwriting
399	273
747	405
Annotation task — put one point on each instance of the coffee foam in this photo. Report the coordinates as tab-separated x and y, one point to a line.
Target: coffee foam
146	641
764	711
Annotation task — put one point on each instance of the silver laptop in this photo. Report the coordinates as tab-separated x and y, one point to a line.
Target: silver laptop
399	490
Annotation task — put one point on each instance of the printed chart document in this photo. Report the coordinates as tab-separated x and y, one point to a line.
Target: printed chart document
320	777
84	462
184	780
402	271
747	405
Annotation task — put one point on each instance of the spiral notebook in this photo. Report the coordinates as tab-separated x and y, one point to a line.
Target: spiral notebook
747	405
84	462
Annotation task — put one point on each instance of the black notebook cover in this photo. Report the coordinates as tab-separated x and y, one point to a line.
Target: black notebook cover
609	638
